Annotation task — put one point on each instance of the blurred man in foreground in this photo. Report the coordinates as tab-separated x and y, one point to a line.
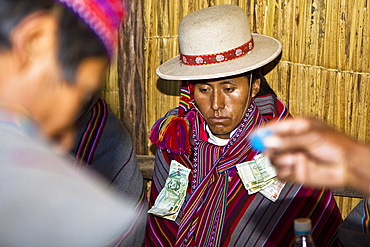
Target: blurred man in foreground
53	55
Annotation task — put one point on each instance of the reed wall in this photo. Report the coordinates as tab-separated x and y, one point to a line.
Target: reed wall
323	70
110	90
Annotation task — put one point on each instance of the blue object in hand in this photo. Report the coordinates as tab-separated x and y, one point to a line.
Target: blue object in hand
257	138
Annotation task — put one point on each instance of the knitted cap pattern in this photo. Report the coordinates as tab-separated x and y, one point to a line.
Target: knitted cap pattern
102	16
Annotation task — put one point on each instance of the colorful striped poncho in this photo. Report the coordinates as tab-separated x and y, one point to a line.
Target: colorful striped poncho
105	145
218	210
355	229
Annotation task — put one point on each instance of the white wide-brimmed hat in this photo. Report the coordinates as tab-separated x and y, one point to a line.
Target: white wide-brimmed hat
217	42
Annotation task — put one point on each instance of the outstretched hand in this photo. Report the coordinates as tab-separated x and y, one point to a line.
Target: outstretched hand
308	151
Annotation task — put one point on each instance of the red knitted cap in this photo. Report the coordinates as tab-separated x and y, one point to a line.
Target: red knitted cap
102	16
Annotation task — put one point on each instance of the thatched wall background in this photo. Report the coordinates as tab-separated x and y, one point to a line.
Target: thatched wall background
125	85
346	204
323	70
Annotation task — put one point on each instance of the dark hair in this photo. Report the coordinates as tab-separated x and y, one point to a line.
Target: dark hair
76	39
264	87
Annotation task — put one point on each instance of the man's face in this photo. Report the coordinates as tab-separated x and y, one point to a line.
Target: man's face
223	103
68	98
35	80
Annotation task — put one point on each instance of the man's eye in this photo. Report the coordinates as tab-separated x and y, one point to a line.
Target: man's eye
204	90
229	89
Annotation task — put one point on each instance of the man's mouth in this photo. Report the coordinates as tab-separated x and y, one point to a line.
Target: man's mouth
218	119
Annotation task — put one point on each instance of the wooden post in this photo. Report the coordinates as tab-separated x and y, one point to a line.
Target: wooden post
131	75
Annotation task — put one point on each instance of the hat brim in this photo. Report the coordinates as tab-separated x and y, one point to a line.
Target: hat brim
265	50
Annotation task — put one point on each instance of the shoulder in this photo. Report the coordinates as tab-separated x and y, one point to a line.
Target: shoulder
172	112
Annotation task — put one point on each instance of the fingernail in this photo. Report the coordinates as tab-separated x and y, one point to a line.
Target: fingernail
272	141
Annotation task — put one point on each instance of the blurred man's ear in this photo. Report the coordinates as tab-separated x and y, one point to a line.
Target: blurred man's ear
35	35
256	86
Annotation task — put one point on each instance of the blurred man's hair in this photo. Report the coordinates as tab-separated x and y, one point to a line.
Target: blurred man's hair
76	40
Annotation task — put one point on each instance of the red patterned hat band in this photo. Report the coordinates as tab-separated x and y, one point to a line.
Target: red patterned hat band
102	16
218	57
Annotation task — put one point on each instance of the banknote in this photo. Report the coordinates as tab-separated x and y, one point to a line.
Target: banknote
255	172
272	191
265	167
246	175
172	196
258	175
261	186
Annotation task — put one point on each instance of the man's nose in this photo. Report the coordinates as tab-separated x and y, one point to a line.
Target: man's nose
218	100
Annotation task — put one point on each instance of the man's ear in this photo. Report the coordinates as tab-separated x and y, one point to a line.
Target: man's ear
35	35
256	86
